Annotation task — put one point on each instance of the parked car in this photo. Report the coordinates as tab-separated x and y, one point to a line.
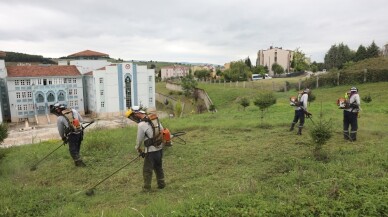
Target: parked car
256	77
266	76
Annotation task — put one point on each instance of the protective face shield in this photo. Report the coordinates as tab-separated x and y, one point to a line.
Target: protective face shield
57	108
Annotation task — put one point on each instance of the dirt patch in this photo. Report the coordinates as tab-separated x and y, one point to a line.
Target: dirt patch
22	134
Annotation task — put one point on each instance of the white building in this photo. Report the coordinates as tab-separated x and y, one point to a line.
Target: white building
26	92
86	60
274	55
111	90
174	71
32	89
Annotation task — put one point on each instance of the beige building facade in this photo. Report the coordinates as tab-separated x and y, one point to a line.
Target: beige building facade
275	55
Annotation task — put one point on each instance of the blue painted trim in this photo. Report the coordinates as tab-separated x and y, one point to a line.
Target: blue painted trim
120	86
134	82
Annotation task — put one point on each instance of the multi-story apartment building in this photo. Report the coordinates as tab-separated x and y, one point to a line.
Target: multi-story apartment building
32	89
174	71
116	87
274	55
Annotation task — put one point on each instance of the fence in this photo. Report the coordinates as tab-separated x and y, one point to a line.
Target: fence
347	78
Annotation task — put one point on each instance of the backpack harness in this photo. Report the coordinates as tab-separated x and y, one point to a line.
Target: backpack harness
158	136
73	122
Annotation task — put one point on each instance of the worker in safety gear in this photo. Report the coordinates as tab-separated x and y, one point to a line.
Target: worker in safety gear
152	152
300	109
68	123
351	115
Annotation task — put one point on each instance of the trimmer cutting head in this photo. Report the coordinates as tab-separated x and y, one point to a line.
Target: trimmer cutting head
90	192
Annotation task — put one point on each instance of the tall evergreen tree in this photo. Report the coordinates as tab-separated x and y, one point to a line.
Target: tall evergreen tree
337	56
248	62
361	54
373	50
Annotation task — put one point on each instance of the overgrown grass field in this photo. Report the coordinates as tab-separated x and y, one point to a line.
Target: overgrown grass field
234	164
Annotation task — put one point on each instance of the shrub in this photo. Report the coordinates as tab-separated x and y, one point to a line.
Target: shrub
367	98
264	101
244	102
3	132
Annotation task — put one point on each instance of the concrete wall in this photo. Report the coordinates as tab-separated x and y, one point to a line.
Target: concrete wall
202	93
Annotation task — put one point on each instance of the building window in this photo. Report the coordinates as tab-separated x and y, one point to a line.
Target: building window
39	98
16	82
50	97
29	94
150	89
76	103
61	96
24	95
75	92
25	107
101	92
70	91
74	80
102	104
19	107
39	81
28	82
150	100
17	95
149	78
101	80
22	82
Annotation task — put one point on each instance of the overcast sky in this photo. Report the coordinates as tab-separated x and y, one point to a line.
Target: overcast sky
205	31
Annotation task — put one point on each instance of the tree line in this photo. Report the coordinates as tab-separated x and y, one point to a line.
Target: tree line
341	56
21	57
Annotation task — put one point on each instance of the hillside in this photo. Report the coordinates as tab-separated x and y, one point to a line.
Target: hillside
233	164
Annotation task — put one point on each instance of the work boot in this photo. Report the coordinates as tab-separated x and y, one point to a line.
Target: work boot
353	136
299	131
292	126
79	163
346	135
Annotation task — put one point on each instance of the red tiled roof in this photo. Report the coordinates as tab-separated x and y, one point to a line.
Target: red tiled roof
40	71
2	54
88	53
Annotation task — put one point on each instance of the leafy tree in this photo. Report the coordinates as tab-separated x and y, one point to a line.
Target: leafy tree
361	54
238	71
3	132
313	67
248	62
264	100
188	84
373	50
259	70
299	61
202	73
277	69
